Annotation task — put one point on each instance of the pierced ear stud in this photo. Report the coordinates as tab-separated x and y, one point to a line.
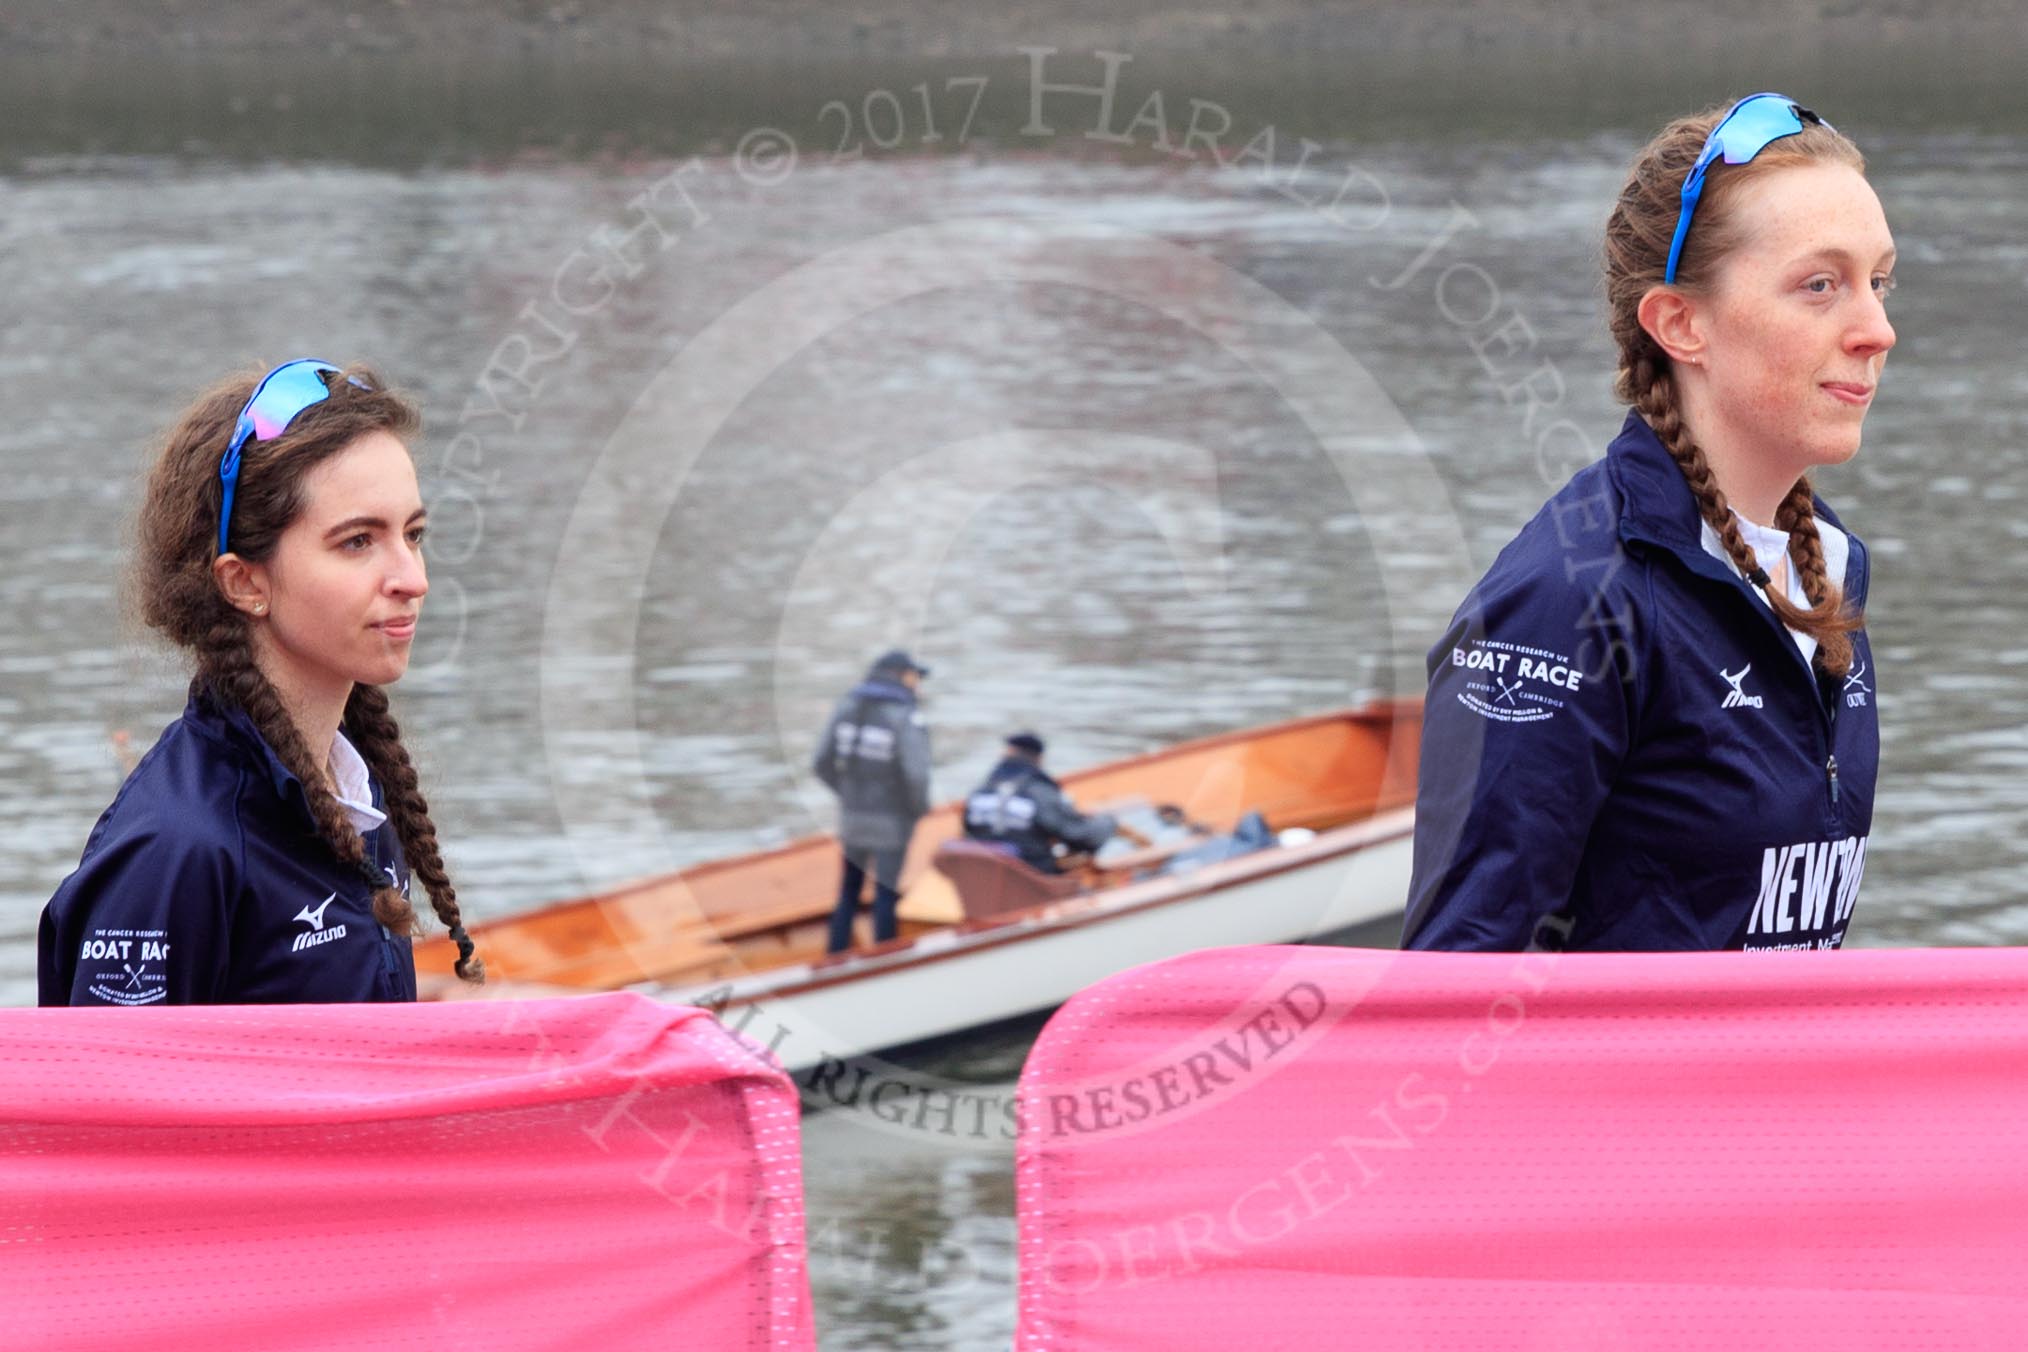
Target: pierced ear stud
260	607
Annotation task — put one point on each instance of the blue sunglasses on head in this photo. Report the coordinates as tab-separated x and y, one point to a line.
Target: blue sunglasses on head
282	394
1741	134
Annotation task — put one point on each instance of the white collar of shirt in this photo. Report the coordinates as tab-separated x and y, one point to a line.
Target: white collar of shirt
1771	550
355	788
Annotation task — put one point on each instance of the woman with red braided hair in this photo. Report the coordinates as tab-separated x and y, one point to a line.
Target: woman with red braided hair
260	852
1651	725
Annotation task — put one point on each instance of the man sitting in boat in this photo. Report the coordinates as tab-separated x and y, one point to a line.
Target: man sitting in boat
1025	812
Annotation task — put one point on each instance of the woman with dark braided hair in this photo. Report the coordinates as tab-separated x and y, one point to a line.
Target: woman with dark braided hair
260	852
1651	725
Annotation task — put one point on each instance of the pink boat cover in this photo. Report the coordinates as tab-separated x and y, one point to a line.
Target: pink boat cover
1328	1148
603	1172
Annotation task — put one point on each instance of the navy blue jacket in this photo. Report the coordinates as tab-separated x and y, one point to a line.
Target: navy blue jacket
1022	807
1622	740
206	882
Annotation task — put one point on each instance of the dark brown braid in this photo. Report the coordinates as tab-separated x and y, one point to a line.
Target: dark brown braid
226	670
176	593
1637	239
1826	620
1798	516
378	739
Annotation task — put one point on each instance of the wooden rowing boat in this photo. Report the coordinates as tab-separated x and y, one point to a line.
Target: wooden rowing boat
984	939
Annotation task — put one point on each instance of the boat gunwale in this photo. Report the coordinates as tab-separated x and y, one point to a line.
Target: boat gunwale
1387	712
1384	825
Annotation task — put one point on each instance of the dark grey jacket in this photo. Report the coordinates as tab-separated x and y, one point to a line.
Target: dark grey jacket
1020	805
875	755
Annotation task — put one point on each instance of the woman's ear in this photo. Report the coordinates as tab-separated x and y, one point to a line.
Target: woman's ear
1676	323
244	585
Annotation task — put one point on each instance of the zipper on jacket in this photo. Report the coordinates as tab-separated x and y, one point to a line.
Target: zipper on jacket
390	962
1826	711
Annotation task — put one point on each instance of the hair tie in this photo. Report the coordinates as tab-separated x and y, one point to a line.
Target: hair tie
463	941
1758	577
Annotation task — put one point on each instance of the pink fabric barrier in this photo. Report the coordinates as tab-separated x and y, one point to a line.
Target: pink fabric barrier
603	1172
1330	1148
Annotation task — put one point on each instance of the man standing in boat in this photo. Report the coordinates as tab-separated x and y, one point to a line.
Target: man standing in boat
1022	809
875	756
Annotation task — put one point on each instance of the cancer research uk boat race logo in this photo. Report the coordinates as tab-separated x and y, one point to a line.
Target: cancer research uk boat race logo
1515	683
132	965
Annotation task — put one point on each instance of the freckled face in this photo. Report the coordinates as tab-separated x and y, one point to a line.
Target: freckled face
346	580
1796	327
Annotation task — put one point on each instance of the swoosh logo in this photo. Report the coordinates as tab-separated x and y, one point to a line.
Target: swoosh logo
315	919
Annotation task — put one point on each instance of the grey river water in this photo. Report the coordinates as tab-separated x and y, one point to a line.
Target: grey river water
1048	465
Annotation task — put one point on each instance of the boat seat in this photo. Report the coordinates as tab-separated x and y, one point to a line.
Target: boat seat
991	882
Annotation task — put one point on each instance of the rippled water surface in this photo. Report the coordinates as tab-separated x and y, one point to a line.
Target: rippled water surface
1004	401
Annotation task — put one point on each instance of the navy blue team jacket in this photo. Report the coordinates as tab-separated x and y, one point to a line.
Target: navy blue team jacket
1622	741
206	882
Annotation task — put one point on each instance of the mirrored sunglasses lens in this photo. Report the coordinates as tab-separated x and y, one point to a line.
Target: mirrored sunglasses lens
1747	132
287	392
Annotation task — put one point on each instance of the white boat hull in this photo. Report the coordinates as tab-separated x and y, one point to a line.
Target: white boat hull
949	981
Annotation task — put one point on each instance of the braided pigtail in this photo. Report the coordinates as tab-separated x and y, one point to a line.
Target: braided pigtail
1654	393
378	738
225	664
1827	620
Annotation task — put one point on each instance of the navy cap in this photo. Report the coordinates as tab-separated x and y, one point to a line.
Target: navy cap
898	660
1026	741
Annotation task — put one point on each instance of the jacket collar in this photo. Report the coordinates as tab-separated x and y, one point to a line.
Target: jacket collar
233	726
1011	766
1657	506
875	687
